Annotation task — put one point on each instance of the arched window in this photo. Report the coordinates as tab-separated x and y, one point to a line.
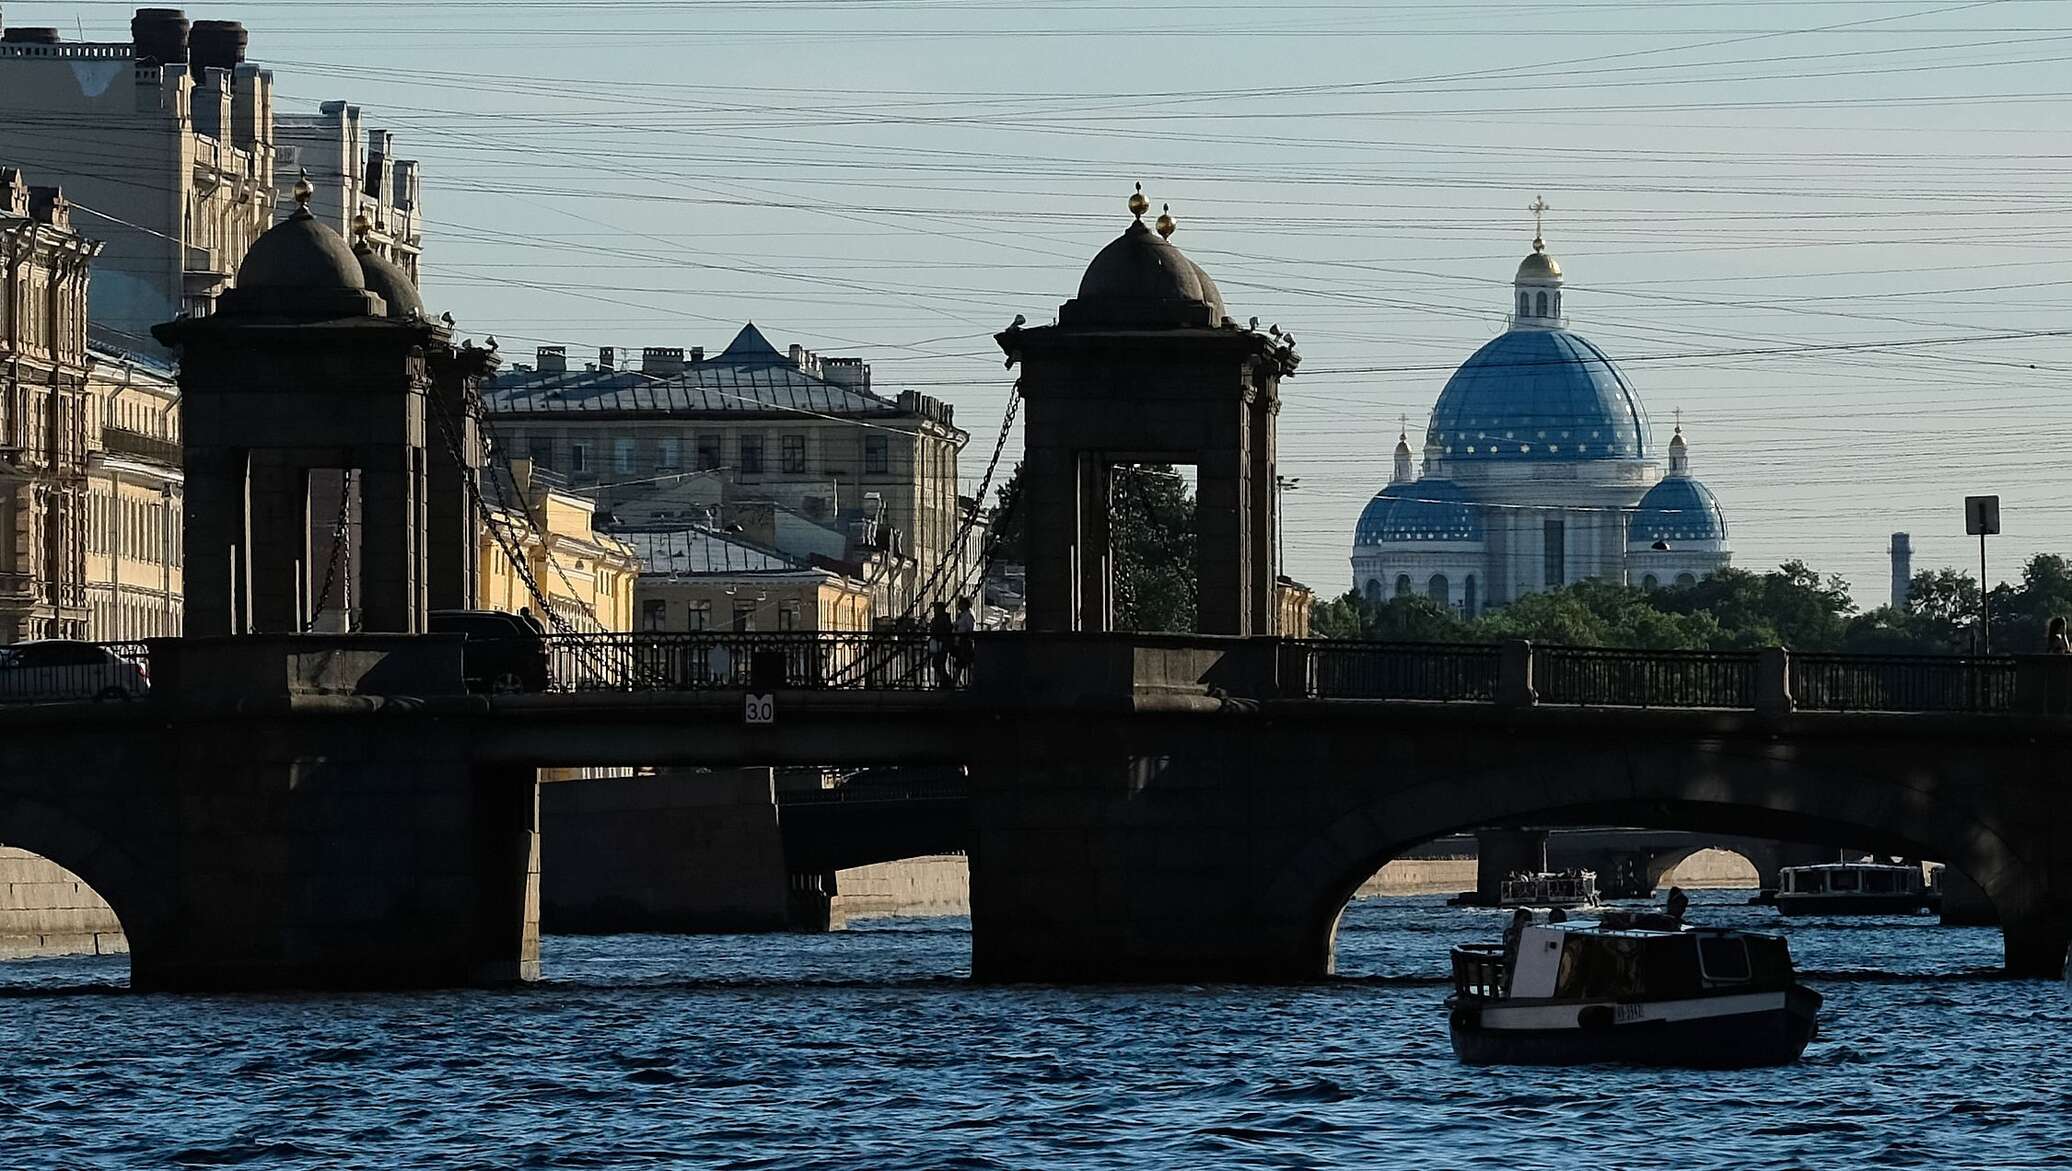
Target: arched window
1541	303
1403	585
1650	583
1467	597
1439	590
1524	305
1685	579
1557	302
1373	591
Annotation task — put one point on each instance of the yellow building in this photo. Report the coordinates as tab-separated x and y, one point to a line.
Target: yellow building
700	580
586	576
134	496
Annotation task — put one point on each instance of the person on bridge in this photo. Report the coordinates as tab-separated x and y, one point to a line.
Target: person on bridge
939	632
2054	640
963	648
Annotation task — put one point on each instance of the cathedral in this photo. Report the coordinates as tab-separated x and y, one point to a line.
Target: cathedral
1539	470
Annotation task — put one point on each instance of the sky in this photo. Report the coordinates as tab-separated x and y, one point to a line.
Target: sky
1828	237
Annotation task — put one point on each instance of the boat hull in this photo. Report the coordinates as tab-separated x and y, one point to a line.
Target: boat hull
1857	904
1764	1029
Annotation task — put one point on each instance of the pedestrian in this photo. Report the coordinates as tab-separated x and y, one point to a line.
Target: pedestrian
2054	641
1678	903
963	647
939	632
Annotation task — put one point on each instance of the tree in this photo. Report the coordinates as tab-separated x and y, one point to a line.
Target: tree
1151	543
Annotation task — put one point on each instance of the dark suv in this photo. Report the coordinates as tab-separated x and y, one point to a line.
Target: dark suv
504	652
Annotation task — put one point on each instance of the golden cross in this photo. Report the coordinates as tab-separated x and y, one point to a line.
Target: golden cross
1539	209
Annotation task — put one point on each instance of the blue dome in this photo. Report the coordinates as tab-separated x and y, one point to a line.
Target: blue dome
1677	509
1426	510
1538	394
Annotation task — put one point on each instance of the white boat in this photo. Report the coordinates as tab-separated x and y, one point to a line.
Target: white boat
1853	888
1575	993
1568	889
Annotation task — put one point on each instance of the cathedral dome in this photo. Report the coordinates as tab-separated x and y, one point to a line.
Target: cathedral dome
1538	395
1677	509
1419	510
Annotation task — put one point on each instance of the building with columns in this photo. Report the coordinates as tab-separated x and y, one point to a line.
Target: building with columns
1539	469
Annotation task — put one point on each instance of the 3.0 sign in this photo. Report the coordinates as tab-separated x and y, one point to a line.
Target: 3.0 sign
760	709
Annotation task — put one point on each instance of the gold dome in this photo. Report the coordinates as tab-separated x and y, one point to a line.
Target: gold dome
1539	265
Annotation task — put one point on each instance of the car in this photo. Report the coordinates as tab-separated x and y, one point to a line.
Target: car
504	653
59	670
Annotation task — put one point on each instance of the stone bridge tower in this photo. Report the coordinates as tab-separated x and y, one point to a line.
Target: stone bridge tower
1144	366
319	389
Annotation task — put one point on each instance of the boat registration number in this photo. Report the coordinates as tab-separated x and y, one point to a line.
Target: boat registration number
1628	1013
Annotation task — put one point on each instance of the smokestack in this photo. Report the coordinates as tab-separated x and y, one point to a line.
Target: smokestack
552	360
160	35
1902	569
661	361
217	44
607	358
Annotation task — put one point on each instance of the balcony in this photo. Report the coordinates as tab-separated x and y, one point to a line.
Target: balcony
139	446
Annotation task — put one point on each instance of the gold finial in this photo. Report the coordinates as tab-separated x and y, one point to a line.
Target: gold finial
1539	209
1166	226
361	226
1138	204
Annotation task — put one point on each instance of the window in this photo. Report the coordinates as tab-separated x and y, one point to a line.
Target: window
744	617
1467	597
751	455
1841	880
1373	591
1723	958
1403	585
794	453
1555	548
708	452
788	616
698	616
1540	305
578	457
654	614
876	455
1650	583
1686	580
542	452
668	454
1524	305
622	456
1439	590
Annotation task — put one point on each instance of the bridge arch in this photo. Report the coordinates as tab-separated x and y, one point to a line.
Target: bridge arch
1913	813
131	892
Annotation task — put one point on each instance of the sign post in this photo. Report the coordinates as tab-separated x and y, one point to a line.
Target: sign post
1982	519
760	709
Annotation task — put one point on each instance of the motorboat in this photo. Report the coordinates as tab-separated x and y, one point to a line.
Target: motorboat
1854	888
1636	990
1566	889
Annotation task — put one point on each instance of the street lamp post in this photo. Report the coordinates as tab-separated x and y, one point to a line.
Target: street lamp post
1982	520
1281	486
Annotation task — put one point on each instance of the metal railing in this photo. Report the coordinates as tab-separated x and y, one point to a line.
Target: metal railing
1400	670
1622	678
74	672
1902	683
726	661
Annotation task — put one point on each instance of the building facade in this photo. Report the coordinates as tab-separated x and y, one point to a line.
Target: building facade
165	143
1539	470
46	418
355	172
695	579
135	497
698	438
586	576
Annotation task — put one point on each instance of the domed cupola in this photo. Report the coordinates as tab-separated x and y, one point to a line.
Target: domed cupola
384	277
1141	280
300	269
1420	511
1537	392
1679	512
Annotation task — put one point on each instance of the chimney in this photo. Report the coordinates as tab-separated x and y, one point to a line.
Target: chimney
662	361
607	358
217	44
159	35
697	353
553	360
1902	569
853	373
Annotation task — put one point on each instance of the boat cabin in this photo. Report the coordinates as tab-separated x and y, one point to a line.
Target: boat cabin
1592	963
1850	878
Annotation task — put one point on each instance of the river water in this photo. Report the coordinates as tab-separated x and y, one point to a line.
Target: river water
868	1049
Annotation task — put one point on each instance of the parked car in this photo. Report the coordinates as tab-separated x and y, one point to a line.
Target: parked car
62	670
504	652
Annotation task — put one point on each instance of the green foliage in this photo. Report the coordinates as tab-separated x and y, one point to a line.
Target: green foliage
1151	538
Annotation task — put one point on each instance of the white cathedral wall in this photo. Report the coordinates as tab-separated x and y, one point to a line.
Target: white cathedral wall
1420	561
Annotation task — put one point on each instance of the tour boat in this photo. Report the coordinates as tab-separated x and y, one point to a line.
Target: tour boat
1573	888
1853	888
1655	994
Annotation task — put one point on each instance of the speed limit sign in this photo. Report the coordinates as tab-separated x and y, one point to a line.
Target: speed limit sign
760	709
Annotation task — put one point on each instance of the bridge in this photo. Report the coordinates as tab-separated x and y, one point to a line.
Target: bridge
338	811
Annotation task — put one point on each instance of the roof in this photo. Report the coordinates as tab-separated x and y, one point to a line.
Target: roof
1419	510
749	377
701	550
1141	279
1677	509
300	253
1539	395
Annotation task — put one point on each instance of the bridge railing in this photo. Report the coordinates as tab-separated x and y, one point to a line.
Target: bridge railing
730	661
1903	683
72	672
1398	670
1628	678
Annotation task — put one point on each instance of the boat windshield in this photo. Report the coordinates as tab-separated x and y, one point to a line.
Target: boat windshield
1626	966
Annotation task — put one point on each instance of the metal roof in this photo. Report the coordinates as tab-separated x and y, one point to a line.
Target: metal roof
699	550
